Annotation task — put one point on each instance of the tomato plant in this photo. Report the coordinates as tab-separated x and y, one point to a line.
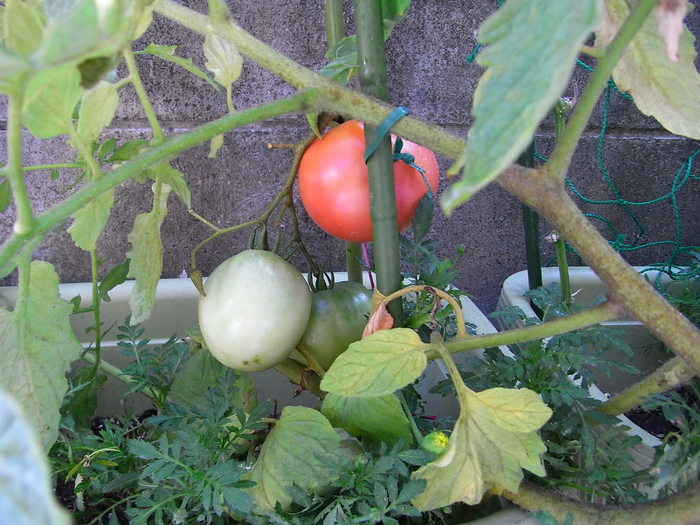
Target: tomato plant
255	310
334	182
338	316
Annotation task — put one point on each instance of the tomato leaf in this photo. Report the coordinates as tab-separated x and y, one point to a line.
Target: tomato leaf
669	91
49	102
380	418
90	220
381	319
377	365
23	25
38	346
26	492
532	51
300	450
176	180
146	256
79	29
223	59
493	440
97	110
114	277
167	53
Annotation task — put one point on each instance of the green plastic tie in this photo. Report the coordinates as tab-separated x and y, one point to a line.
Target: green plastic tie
384	128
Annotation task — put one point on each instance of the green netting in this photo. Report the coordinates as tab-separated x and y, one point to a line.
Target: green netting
683	258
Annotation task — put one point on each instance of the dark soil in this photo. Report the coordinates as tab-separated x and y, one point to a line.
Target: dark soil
654	421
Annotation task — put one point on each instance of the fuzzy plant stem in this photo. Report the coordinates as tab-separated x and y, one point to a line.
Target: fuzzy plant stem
373	81
171	147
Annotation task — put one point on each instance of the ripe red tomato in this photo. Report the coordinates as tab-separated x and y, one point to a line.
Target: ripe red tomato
334	182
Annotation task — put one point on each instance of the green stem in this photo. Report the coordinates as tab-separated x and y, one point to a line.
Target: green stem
25	217
671	374
561	157
115	372
335	31
597	314
96	309
302	376
335	21
540	191
158	135
373	82
679	509
63	165
409	415
301	101
563	265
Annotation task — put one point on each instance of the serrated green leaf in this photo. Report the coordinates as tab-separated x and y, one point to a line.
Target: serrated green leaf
493	440
38	347
143	449
90	220
380	418
168	53
300	451
26	492
377	365
669	91
532	51
223	59
97	110
146	257
23	25
50	100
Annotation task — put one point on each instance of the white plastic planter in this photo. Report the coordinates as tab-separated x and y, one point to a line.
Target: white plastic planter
648	352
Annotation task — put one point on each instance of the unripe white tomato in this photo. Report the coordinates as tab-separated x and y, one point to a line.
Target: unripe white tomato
255	310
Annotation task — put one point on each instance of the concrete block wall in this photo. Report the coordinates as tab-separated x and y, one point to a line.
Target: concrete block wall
428	74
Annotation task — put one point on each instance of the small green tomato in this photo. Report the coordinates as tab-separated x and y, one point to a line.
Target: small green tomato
435	442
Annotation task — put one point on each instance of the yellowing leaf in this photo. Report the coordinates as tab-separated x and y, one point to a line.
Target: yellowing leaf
50	99
299	450
38	346
146	256
380	418
97	110
532	51
223	59
667	90
90	220
23	24
377	365
493	440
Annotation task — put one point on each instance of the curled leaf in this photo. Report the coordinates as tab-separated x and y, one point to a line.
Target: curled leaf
381	319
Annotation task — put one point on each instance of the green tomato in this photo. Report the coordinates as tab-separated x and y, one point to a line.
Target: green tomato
435	442
338	317
255	310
